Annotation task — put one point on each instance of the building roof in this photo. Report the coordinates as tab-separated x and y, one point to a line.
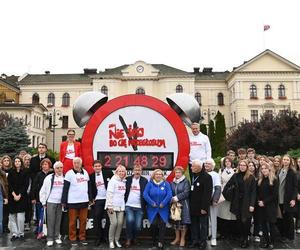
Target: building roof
55	78
26	105
218	76
163	70
11	81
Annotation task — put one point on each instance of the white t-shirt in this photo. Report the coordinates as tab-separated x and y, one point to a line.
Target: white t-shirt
115	194
70	153
101	190
57	189
215	179
78	191
134	197
199	147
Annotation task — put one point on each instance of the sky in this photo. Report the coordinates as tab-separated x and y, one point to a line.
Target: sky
65	36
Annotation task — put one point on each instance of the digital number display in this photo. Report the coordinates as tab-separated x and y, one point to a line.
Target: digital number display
148	160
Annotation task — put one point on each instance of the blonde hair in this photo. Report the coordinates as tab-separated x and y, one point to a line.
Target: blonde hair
120	167
179	168
156	171
291	166
271	176
248	173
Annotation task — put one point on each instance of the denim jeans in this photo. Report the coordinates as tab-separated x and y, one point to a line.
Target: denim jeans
134	218
1	213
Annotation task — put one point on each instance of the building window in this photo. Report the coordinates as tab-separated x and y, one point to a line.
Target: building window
66	100
65	121
140	91
198	98
269	112
220	99
253	92
51	100
254	115
281	91
33	141
234	118
35	98
104	90
179	89
268	91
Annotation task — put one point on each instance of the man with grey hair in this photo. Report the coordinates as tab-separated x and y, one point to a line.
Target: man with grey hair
199	145
200	200
77	196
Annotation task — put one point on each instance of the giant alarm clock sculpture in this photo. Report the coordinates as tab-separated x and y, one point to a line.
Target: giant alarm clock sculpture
136	129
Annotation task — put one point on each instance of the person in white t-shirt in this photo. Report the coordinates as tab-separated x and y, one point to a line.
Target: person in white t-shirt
213	210
135	204
115	205
77	197
50	197
200	148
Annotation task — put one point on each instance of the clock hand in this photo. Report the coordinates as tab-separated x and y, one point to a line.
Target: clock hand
126	131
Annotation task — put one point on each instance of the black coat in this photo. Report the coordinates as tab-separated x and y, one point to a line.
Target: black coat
290	191
239	206
37	185
201	192
17	182
269	195
35	165
143	183
107	174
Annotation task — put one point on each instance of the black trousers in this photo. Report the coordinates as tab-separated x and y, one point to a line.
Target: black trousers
286	225
5	217
270	232
228	228
28	211
99	214
158	228
244	227
199	228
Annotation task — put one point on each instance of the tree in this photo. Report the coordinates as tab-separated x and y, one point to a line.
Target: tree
13	137
220	135
203	128
211	136
271	135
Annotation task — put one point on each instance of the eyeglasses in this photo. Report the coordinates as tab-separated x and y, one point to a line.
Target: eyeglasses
58	167
71	134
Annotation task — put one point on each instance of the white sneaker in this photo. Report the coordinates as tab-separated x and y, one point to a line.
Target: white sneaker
256	239
118	244
58	241
298	231
111	244
50	243
213	242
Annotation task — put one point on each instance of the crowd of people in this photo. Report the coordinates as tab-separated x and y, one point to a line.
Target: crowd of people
249	197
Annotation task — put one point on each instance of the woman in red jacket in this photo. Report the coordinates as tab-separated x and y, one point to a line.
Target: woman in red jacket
69	149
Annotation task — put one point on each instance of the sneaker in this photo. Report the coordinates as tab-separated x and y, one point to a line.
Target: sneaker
111	244
256	239
21	236
50	243
298	231
58	241
14	237
213	242
84	242
74	243
118	244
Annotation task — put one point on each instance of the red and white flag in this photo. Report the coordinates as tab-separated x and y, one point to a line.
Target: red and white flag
266	27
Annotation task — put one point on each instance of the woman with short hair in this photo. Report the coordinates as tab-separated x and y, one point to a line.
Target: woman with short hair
181	191
158	194
115	205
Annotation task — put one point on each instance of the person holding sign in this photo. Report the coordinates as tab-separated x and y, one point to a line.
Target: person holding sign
135	204
115	205
158	194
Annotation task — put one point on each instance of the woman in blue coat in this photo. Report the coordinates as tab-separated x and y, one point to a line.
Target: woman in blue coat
158	195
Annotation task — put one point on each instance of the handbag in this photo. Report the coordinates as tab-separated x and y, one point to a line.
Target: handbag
176	208
229	191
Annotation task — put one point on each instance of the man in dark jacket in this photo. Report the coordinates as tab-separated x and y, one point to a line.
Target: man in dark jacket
98	181
134	203
200	197
35	162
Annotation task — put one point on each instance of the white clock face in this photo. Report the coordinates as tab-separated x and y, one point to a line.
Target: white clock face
140	68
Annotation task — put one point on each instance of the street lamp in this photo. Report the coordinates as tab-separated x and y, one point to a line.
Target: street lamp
51	116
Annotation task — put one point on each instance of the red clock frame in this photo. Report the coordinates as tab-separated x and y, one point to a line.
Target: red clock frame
136	100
